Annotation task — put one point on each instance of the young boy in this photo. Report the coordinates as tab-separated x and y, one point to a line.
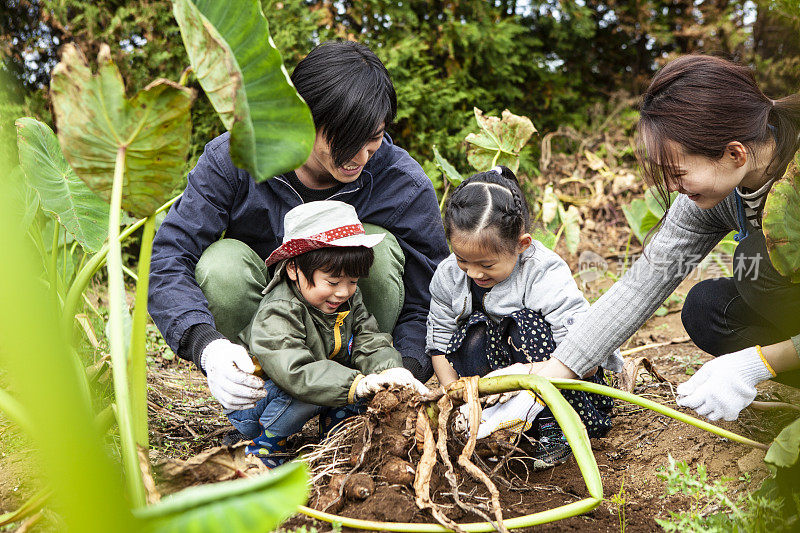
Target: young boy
318	347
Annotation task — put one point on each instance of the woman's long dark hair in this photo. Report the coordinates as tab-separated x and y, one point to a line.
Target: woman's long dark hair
703	103
489	200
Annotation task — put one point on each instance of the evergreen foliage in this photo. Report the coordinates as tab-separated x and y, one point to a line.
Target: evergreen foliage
551	60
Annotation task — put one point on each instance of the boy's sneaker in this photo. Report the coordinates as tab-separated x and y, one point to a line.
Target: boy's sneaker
550	447
271	449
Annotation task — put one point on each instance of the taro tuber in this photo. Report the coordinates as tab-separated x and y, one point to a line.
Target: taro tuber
397	471
359	487
329	501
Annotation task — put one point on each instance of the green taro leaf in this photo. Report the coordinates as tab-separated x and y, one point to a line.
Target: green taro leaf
241	71
550	204
499	141
95	120
255	504
25	199
62	193
571	219
545	236
640	218
785	449
782	226
449	171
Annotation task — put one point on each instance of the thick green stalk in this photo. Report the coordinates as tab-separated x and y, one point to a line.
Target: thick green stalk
105	419
53	268
30	506
15	412
119	360
86	274
574	384
138	362
542	517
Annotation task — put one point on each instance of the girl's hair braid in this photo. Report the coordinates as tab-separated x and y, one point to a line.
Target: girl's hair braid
487	200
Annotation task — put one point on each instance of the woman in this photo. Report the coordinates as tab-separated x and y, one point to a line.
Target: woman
708	132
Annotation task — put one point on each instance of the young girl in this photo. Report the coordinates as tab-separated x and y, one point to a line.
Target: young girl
708	132
502	298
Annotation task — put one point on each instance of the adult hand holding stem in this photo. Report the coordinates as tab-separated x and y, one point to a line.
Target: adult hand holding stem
726	385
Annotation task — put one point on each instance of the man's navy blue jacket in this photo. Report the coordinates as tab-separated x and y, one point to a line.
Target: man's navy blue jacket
392	192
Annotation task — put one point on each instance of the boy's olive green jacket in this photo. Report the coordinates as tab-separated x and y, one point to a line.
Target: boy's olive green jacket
316	357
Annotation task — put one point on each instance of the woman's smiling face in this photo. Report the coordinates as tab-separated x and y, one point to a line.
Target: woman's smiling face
706	181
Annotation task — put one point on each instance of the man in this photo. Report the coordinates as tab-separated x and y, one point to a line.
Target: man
204	288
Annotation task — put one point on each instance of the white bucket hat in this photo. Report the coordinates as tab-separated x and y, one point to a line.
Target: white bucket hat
324	224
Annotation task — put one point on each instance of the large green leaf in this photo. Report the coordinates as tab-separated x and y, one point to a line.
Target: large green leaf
241	71
545	236
87	489
785	449
62	193
256	504
782	226
95	121
499	141
550	205
449	171
25	200
571	219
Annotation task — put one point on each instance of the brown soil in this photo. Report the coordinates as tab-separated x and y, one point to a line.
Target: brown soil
185	421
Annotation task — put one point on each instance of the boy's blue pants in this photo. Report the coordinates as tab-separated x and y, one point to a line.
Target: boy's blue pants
279	415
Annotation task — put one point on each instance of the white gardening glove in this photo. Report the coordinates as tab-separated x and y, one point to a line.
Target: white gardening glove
229	371
402	377
369	385
516	368
725	385
517	414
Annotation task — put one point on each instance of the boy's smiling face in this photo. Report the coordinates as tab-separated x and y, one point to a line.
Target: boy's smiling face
328	291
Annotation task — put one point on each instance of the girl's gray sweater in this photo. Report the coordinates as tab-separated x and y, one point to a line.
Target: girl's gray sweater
687	235
541	281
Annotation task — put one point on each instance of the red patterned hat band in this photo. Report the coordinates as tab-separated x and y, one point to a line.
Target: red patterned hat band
338	233
324	224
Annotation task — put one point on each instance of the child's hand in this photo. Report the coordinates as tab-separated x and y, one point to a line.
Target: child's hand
404	378
369	385
515	415
516	368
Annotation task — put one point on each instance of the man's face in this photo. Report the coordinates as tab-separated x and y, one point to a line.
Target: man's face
320	171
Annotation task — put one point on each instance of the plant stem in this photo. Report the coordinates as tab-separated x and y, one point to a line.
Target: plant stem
15	412
542	517
138	362
573	384
444	194
131	274
28	507
86	274
53	269
116	295
185	75
627	252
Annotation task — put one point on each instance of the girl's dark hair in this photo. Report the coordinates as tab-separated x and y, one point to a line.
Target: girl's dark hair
489	200
351	261
703	103
350	94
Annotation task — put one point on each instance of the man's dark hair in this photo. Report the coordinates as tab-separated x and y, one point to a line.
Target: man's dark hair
349	92
351	261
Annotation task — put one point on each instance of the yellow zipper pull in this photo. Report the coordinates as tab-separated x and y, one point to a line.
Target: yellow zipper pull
337	335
